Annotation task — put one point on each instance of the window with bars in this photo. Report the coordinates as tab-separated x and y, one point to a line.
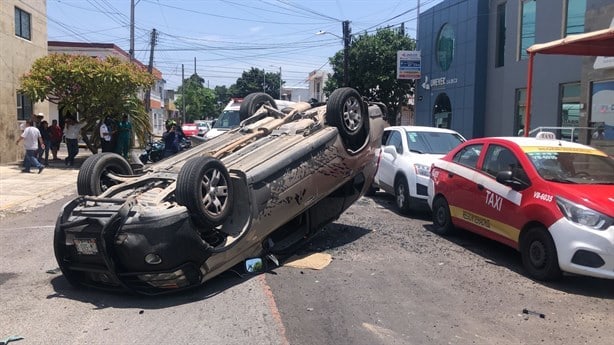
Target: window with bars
24	107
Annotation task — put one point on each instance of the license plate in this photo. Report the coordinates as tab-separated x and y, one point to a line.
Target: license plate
86	246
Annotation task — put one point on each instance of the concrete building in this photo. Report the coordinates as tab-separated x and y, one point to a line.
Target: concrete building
102	50
317	80
474	66
23	39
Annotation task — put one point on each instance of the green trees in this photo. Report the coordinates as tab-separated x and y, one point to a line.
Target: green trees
253	81
200	102
372	68
91	87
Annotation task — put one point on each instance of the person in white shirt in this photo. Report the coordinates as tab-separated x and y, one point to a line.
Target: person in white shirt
106	135
72	133
31	137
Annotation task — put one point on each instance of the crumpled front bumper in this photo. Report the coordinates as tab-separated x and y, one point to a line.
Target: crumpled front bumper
109	244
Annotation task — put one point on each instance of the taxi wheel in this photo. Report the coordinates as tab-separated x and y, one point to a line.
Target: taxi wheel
401	195
538	253
442	219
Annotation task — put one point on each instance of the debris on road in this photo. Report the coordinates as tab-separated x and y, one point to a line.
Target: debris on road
316	261
530	312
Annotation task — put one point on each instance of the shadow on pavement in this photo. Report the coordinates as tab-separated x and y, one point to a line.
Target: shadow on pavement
499	254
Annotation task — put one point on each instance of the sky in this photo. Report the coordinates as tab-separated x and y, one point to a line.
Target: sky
219	39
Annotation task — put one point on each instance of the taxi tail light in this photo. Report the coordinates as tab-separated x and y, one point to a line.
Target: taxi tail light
583	215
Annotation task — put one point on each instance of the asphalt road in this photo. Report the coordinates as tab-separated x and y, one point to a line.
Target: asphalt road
391	281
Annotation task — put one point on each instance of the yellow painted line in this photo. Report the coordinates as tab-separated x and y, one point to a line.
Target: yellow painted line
486	223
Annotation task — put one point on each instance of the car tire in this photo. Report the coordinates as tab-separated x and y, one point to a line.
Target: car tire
252	102
346	111
93	176
401	195
539	256
442	219
205	188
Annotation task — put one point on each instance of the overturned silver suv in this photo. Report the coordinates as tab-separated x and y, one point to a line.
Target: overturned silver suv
260	190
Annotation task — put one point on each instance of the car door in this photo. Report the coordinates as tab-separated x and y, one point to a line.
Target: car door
461	186
497	203
392	149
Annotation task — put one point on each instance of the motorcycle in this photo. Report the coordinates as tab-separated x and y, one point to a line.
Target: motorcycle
154	150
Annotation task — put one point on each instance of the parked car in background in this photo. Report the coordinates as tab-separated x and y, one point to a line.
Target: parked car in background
552	200
203	126
254	192
405	159
190	129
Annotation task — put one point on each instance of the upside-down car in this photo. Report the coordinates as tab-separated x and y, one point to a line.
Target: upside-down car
256	191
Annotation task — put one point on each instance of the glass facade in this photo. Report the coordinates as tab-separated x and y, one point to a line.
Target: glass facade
520	111
527	28
570	109
445	47
574	23
500	48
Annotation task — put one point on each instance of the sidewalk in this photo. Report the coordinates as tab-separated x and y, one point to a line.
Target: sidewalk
21	192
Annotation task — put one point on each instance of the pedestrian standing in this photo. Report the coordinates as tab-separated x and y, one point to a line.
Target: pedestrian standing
44	149
124	129
31	137
56	138
71	133
106	135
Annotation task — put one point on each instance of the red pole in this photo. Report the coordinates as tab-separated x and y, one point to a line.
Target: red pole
527	120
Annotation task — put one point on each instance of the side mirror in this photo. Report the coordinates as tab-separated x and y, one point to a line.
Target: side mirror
506	177
254	265
390	150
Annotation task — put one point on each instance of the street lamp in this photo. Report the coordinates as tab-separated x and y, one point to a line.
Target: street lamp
346	49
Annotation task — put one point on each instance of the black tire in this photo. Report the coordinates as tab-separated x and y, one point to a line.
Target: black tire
252	102
442	219
346	111
93	178
205	188
539	256
401	195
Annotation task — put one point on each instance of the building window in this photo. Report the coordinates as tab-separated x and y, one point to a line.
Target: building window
527	28
574	20
570	109
500	45
520	111
22	23
24	107
445	47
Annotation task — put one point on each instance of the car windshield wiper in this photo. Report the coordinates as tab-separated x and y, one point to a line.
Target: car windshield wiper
416	151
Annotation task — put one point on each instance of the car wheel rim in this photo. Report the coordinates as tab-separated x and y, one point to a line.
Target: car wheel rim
537	254
440	216
400	195
352	115
215	192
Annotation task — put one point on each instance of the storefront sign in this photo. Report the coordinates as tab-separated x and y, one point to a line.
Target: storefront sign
438	83
408	64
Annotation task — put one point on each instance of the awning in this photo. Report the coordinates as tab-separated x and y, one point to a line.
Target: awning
594	43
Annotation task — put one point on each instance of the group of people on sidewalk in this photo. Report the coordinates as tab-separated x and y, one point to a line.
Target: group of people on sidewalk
39	138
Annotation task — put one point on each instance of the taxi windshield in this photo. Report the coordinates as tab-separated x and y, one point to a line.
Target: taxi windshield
227	120
573	167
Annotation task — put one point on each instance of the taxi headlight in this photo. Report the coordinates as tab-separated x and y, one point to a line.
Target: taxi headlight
583	215
422	170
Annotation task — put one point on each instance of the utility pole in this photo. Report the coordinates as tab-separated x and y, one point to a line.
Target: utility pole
154	35
182	94
346	52
280	82
131	30
263	80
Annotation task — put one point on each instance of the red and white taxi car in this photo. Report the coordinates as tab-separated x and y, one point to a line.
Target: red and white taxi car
552	200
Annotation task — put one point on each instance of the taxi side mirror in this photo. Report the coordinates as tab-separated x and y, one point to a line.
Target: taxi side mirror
506	177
